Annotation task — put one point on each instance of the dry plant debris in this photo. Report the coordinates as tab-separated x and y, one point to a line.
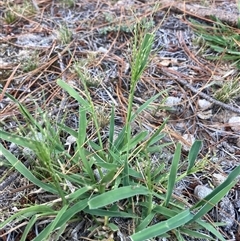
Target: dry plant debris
42	41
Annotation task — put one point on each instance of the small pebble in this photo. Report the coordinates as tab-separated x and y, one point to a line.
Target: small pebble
226	212
218	179
173	102
190	139
201	191
204	115
234	123
204	104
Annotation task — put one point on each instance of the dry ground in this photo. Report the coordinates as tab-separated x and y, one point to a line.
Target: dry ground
37	49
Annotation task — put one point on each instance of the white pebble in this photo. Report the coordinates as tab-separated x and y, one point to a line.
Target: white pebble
201	191
204	104
234	123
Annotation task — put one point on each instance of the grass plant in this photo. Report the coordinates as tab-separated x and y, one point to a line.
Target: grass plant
228	90
15	11
222	39
64	34
129	185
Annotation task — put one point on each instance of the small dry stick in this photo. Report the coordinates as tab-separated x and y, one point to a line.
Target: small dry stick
205	96
8	82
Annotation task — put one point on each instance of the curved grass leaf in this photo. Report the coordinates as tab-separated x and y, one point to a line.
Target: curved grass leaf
195	234
193	153
103	213
211	229
73	93
163	227
116	195
145	222
28	212
173	173
28	228
228	182
68	214
19	166
211	202
52	226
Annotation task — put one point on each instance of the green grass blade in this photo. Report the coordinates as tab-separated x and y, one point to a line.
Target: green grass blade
22	141
173	173
135	141
211	202
145	105
193	153
69	130
73	93
111	129
116	195
195	234
81	141
166	212
77	194
76	208
163	227
18	165
52	226
145	222
228	182
27	212
25	112
178	235
103	213
211	229
28	228
119	142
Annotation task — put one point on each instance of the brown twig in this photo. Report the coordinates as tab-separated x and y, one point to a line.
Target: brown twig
201	12
184	83
8	82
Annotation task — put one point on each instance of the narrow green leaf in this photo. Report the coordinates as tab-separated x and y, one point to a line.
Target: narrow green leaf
69	130
145	222
73	93
19	166
166	212
211	229
52	226
82	128
103	213
116	195
178	235
69	213
28	228
22	141
113	227
111	129
195	234
228	182
27	212
211	202
140	137
81	141
146	104
193	153
163	227
77	194
118	143
173	173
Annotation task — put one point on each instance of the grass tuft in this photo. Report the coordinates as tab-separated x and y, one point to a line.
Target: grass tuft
112	177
